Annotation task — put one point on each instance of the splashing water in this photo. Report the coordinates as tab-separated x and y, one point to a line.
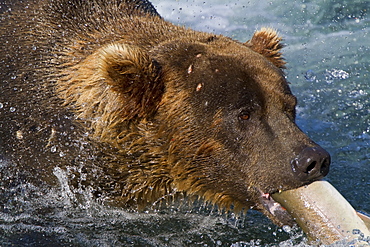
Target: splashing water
331	75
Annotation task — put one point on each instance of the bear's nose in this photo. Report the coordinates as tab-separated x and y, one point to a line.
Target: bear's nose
311	164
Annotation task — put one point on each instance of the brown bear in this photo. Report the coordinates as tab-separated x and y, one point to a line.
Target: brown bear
140	110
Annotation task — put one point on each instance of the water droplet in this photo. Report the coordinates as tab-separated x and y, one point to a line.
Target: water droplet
287	229
310	75
19	134
53	149
12	109
356	231
1	105
62	154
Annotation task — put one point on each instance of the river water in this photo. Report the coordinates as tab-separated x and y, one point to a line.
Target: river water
328	55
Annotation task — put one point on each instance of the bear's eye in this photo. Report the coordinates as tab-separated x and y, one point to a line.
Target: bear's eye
244	115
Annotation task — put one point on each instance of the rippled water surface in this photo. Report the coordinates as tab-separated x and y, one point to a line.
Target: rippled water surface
329	70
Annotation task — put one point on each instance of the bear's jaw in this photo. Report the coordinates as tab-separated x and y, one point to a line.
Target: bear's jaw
275	211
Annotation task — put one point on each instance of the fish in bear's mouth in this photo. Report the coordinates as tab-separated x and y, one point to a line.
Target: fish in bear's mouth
322	213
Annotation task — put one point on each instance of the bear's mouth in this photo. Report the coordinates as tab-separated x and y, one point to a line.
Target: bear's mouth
277	213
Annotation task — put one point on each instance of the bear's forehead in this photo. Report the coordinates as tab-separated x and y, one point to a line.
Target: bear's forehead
224	75
223	61
222	80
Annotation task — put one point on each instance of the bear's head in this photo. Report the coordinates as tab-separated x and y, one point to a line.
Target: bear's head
205	116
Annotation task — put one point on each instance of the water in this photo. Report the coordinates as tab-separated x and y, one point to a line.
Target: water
329	69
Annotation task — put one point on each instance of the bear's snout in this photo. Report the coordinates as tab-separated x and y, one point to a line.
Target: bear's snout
312	163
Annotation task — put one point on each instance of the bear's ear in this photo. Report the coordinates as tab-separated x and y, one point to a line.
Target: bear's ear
134	76
268	43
